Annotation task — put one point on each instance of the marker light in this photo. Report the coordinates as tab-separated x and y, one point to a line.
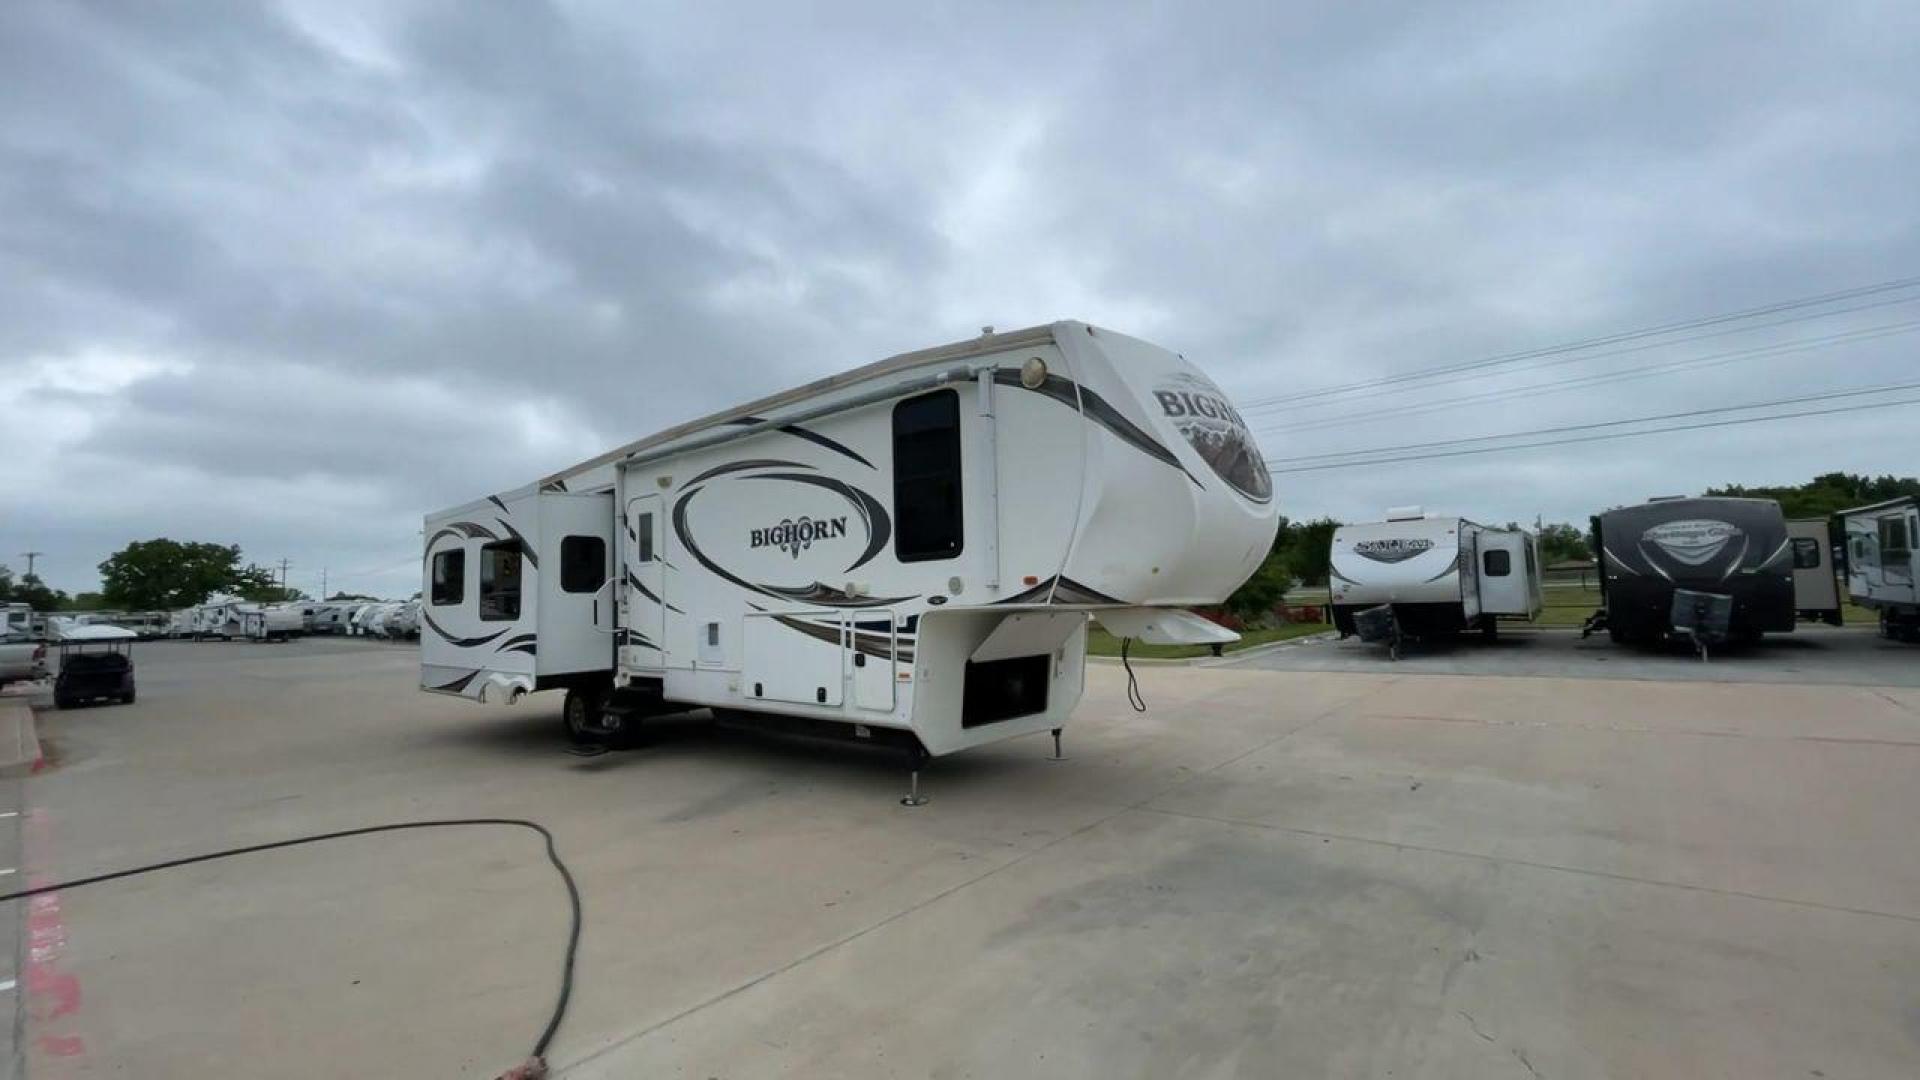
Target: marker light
1033	373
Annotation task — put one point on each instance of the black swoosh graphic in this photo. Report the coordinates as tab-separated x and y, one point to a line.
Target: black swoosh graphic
813	437
458	642
1100	411
871	645
518	639
456	685
741	466
526	549
495	500
1065	590
642	589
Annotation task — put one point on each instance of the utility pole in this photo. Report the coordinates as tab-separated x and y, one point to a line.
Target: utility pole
30	556
323	583
283	578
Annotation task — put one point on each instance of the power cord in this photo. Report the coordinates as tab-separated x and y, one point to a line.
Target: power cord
535	1065
1133	683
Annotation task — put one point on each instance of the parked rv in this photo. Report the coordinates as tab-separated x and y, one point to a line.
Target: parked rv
1714	569
1420	576
270	622
19	620
1816	584
1881	563
906	553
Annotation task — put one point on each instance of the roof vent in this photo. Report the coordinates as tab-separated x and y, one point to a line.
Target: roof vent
1405	513
1666	498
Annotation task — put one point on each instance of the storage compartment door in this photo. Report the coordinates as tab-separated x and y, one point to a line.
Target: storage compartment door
797	657
874	652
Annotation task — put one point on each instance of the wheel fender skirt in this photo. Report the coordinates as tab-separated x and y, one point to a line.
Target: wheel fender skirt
501	688
1163	626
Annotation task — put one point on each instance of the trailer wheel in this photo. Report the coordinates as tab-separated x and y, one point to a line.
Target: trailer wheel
581	715
1618	635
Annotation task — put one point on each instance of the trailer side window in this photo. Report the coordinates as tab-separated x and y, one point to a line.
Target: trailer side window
1497	563
449	577
1806	553
500	581
583	563
926	477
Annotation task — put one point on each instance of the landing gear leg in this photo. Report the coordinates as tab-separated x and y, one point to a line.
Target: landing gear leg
916	760
1056	746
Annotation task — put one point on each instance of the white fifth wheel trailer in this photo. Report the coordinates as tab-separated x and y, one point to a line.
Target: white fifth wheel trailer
908	552
1883	559
1435	576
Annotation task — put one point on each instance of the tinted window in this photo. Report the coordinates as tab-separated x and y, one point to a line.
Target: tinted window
1893	534
1806	553
643	537
1498	563
449	577
583	563
500	581
926	477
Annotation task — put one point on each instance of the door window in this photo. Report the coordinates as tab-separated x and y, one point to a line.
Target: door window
1806	553
643	537
500	581
583	563
1499	563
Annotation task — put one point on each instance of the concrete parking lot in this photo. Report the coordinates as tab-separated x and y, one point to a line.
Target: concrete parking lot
1811	655
1377	872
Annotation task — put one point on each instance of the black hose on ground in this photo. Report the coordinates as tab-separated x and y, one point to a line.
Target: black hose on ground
1134	699
536	1064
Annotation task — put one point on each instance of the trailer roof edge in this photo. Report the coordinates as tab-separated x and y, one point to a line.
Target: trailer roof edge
1883	504
979	346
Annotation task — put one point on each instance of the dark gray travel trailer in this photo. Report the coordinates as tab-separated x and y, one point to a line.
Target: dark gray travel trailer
1717	569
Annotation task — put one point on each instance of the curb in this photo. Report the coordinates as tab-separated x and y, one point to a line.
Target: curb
20	753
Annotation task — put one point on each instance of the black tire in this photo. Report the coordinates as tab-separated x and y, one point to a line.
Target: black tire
582	716
62	701
1489	628
1618	636
127	698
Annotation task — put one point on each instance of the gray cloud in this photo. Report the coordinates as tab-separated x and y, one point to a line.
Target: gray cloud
263	266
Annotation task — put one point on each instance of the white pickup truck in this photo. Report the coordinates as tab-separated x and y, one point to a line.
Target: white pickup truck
22	659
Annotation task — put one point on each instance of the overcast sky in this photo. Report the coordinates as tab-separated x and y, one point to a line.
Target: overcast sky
290	276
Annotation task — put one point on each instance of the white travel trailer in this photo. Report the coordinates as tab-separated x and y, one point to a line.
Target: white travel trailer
272	622
1439	576
1883	557
908	552
1816	587
219	618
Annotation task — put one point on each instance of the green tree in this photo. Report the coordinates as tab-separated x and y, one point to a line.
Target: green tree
1827	494
1309	553
163	574
35	592
1561	541
1256	598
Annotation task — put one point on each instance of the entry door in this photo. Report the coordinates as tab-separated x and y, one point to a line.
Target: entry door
575	579
646	581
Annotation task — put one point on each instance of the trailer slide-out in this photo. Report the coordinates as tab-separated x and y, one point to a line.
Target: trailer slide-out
908	552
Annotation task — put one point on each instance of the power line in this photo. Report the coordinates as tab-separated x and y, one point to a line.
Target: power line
1894	388
1562	361
1590	343
1602	438
1847	337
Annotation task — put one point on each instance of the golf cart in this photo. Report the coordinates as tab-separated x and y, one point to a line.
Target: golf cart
95	662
